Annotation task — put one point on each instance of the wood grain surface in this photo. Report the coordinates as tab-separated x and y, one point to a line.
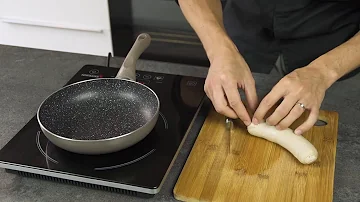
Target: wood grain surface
256	169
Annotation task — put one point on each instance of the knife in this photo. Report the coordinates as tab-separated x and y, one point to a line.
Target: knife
229	127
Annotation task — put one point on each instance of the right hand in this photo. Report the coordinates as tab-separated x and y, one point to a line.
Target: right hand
229	72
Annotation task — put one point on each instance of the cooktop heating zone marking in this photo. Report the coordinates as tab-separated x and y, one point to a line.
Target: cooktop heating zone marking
101	168
164	119
41	150
127	163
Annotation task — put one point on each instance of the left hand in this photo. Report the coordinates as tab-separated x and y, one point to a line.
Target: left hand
305	86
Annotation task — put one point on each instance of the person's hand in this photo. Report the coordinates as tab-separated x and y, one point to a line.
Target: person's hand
229	72
305	86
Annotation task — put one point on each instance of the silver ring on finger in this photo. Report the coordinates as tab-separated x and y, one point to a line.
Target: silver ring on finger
301	105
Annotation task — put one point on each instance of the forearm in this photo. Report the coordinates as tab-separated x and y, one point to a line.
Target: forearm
340	60
205	17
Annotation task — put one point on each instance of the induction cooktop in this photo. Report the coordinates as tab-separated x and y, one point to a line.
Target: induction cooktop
138	170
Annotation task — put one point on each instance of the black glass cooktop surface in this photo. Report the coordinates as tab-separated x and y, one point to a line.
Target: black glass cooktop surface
140	168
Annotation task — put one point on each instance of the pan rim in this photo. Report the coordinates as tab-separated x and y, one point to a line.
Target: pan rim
99	140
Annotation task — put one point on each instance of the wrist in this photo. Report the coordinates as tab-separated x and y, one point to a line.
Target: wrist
329	74
221	48
339	61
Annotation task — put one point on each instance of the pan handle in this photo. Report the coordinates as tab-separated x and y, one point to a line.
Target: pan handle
128	68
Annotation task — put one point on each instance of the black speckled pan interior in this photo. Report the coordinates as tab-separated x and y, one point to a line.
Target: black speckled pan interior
98	109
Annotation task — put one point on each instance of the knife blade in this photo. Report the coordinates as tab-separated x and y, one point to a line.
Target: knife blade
229	127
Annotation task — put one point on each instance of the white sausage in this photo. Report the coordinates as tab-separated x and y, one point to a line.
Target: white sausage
297	145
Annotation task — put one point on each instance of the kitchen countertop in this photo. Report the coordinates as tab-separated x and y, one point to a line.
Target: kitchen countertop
29	75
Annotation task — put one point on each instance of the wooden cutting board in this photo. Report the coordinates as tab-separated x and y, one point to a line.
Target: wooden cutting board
256	169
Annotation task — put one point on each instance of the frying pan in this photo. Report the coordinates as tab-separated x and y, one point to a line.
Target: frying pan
103	115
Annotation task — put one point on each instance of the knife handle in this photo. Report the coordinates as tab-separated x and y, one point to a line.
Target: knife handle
229	123
229	126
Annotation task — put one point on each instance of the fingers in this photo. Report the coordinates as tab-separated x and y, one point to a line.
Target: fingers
282	110
220	104
310	121
251	96
268	101
294	114
234	100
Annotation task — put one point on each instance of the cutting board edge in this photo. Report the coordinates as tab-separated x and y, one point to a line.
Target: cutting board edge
180	198
336	120
175	189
